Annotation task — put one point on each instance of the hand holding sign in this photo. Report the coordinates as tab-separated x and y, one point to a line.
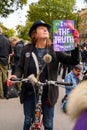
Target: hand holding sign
69	25
75	32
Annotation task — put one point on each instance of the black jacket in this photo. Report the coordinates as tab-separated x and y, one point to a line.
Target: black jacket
84	55
52	67
5	50
17	53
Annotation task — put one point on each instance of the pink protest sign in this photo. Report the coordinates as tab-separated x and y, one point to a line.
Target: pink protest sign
63	39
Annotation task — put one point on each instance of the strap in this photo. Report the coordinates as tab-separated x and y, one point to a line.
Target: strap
36	63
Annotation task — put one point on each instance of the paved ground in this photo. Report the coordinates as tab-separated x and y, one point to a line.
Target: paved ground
62	121
11	115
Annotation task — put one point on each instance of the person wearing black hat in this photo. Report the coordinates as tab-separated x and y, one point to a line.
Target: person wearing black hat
39	59
38	23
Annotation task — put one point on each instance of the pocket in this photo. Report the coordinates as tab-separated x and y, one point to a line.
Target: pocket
53	93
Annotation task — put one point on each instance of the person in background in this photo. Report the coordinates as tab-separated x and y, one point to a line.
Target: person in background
32	62
59	69
5	51
17	46
66	68
63	69
84	58
72	77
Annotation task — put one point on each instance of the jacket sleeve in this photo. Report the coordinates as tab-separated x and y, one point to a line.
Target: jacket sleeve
20	67
68	59
68	79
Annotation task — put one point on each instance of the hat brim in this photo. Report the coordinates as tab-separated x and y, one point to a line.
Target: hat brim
39	24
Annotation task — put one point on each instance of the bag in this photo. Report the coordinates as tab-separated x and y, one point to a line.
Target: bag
11	92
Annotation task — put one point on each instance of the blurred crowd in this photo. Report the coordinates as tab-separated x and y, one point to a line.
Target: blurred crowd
10	52
64	69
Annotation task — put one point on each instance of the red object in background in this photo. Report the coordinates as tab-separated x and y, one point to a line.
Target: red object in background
8	83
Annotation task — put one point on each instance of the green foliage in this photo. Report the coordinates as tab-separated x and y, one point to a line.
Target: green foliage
85	1
22	31
9	6
49	10
7	32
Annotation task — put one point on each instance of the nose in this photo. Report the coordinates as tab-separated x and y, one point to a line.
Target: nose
45	29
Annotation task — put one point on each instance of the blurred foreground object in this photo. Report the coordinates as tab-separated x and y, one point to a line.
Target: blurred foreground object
77	106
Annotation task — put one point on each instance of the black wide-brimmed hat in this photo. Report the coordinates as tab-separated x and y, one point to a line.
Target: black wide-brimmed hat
38	23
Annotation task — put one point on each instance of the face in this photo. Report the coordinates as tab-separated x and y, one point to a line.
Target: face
13	43
77	72
42	32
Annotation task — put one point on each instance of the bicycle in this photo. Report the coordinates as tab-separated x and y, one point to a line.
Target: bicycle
37	124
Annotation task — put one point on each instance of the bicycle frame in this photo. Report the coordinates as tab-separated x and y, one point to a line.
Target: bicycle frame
37	124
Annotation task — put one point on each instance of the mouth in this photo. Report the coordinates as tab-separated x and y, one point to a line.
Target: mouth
78	74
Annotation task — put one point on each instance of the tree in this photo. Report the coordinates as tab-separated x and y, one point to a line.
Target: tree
9	6
85	1
49	10
7	32
23	31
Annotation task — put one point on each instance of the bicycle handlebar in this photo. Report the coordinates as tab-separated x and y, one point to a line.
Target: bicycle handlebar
34	81
60	83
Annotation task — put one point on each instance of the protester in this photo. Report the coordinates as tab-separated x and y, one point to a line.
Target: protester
5	50
31	62
77	106
17	46
72	77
